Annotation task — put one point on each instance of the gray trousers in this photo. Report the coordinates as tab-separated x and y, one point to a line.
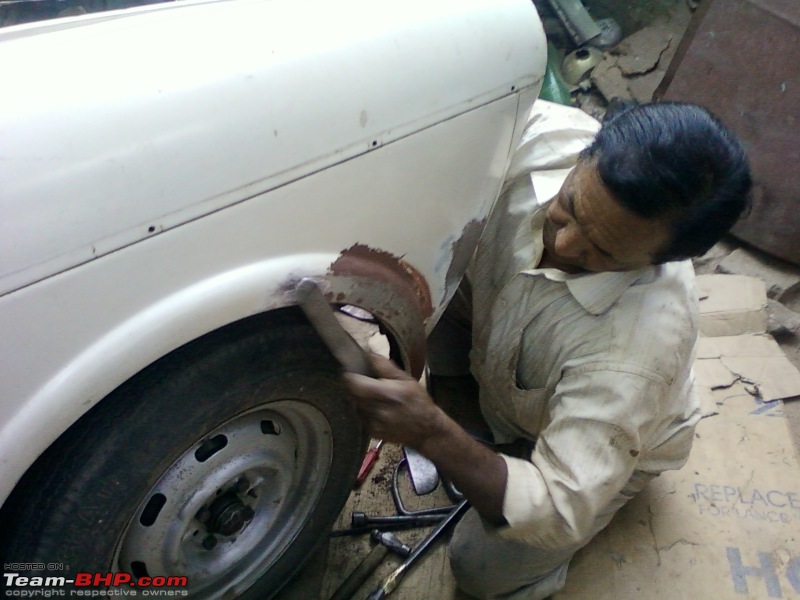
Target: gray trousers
488	566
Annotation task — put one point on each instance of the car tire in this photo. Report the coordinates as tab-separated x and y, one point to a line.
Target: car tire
226	462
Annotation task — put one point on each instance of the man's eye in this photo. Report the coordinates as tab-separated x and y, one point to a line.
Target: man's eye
569	204
605	254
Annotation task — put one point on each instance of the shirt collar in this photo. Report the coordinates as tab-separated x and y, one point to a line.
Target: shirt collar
595	292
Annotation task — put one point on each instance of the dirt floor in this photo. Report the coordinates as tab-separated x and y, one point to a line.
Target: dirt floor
643	24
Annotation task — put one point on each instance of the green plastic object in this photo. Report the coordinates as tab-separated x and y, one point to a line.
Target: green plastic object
554	88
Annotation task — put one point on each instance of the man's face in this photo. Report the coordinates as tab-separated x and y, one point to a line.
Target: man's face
586	229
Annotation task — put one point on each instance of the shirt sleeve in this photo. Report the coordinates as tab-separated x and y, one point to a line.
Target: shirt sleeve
583	457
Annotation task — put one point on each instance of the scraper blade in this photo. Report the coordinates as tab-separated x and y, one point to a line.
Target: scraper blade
350	355
423	473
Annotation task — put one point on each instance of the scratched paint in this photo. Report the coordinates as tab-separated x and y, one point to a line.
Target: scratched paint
462	250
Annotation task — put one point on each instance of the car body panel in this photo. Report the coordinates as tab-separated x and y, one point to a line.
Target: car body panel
131	138
242	204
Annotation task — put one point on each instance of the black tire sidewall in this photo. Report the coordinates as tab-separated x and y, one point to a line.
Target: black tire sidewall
78	501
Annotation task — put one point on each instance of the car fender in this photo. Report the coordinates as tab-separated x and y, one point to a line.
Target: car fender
373	280
77	325
76	358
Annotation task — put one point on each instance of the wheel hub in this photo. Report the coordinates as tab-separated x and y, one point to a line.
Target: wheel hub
229	515
228	507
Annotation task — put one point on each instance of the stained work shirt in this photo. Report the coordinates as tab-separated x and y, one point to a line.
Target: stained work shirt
595	366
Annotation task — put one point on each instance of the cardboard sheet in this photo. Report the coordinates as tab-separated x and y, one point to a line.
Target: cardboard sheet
731	305
726	526
756	360
733	346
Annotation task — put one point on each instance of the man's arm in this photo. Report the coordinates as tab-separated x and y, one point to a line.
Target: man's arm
397	409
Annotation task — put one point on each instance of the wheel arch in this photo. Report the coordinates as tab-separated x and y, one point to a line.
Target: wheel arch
376	281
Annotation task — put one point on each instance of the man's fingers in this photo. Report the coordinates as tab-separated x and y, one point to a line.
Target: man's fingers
363	386
386	369
368	388
395	410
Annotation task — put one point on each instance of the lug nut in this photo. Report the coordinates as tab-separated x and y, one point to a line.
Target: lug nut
242	485
209	542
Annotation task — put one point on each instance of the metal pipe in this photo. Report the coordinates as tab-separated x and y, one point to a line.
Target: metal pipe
576	19
393	579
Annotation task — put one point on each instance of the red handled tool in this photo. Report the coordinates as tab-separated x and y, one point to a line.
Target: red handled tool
370	458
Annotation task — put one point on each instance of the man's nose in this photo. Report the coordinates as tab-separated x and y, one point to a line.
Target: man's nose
569	242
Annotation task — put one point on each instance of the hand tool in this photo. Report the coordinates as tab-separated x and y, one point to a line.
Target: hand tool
422	471
360	519
392	581
452	491
344	348
385	542
392	526
347	351
398	501
369	461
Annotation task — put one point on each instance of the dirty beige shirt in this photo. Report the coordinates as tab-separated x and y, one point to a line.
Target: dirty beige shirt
595	366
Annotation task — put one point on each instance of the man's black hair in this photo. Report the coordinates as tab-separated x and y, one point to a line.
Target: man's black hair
677	161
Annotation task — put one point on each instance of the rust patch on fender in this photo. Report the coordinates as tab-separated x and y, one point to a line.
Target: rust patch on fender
361	260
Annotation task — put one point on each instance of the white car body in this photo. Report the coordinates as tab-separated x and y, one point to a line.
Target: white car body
171	169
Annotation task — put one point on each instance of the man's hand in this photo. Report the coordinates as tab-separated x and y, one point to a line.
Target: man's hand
395	407
398	409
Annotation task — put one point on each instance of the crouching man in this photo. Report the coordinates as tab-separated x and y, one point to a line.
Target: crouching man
581	310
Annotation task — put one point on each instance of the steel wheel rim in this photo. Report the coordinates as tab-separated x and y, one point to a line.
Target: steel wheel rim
250	485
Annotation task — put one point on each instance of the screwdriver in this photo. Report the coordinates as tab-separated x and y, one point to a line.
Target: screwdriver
369	461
